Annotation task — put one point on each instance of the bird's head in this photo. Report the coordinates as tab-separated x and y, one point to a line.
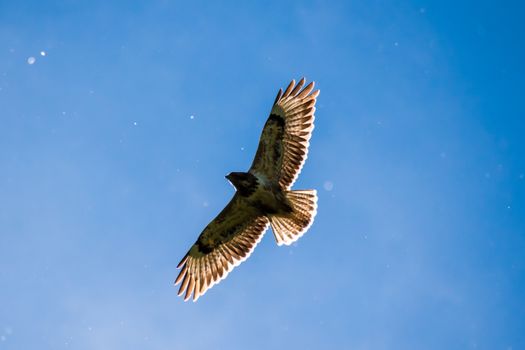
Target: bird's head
243	182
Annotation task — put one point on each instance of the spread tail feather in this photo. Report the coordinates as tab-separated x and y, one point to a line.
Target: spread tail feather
289	228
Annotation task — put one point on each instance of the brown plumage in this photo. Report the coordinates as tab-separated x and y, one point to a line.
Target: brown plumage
263	196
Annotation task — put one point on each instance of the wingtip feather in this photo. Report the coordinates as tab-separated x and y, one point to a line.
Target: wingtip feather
298	87
181	275
289	88
306	90
183	260
278	97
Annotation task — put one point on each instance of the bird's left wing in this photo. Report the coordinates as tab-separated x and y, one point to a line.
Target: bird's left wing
226	242
283	146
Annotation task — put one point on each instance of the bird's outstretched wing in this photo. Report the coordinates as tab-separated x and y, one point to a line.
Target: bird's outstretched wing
226	242
284	142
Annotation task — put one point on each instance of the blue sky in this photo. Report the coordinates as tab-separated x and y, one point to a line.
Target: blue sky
115	141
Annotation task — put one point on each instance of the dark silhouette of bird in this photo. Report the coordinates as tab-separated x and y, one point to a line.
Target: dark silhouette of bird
263	196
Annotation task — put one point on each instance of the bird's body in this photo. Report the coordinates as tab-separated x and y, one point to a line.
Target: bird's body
263	196
261	193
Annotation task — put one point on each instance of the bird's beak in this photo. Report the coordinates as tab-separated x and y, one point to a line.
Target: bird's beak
229	178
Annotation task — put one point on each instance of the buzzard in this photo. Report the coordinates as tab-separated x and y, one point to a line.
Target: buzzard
263	196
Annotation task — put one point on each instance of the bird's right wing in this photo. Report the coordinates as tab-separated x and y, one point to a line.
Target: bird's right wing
226	242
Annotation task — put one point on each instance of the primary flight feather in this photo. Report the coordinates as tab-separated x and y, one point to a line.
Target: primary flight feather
263	196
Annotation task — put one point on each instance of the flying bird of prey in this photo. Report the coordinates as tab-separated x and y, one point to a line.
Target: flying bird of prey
263	196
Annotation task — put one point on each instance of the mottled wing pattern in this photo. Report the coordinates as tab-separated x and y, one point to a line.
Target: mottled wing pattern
226	242
283	146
